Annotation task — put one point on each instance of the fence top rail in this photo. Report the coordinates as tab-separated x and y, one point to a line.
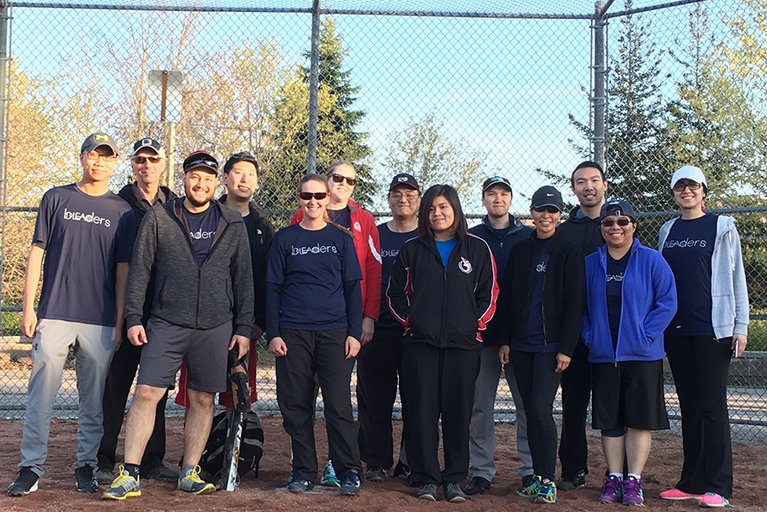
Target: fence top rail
519	9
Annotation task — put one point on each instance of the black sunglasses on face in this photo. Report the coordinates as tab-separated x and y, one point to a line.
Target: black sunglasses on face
338	178
679	186
141	159
548	209
307	196
622	222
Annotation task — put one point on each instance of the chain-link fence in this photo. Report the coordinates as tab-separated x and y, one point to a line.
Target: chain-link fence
450	91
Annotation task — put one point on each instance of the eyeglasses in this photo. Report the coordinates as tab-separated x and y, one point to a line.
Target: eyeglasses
95	157
679	186
307	196
622	222
547	209
339	178
143	159
399	196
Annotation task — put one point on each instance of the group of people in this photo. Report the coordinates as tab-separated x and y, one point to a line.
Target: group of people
421	302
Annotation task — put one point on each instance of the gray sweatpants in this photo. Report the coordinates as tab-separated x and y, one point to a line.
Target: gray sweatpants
93	347
482	429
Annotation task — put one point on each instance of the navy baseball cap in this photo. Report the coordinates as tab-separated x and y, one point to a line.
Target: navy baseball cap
547	196
495	180
200	160
95	140
404	179
617	207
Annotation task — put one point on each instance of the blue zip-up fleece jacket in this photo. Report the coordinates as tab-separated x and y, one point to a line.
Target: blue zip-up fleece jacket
648	305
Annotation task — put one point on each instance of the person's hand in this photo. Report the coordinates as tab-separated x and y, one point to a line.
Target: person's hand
137	335
368	328
351	347
28	322
278	347
739	342
563	362
242	343
503	354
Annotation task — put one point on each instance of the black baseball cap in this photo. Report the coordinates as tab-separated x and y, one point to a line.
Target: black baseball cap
148	143
242	156
617	207
547	196
200	159
404	179
95	140
495	180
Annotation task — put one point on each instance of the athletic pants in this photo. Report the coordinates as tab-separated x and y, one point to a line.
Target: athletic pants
437	382
482	430
576	392
93	348
700	365
378	369
321	352
118	384
538	385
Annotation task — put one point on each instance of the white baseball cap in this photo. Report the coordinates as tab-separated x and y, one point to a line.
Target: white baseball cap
689	172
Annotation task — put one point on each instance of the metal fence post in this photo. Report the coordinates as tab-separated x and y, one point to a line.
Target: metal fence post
314	80
598	94
4	62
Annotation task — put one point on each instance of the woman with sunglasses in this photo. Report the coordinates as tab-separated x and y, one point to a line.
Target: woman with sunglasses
442	289
540	312
710	326
313	324
630	300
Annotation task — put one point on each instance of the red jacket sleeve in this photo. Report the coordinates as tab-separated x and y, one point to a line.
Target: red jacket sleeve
371	283
298	216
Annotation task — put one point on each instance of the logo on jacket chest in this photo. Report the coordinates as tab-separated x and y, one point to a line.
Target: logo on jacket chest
464	266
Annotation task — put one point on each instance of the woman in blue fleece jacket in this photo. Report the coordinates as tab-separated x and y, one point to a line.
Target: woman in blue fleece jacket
630	300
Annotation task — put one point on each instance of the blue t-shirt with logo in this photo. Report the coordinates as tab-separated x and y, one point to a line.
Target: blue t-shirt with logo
202	230
391	243
688	249
84	237
445	248
311	267
614	292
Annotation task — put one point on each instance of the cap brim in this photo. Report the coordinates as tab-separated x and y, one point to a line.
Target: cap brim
203	167
557	206
497	184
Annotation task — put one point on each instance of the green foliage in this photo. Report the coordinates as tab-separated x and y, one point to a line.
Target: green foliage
422	150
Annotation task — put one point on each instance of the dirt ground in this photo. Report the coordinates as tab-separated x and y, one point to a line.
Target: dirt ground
268	492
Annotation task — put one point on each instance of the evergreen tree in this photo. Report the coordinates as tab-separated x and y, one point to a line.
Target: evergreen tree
338	132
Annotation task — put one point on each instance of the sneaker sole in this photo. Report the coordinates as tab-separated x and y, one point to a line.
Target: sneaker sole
23	493
130	494
457	499
330	483
539	499
205	490
428	497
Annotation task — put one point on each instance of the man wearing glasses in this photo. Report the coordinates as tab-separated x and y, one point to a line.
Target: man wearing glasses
148	164
86	234
202	306
342	210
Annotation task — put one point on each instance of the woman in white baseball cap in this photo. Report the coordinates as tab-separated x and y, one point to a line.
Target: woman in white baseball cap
711	326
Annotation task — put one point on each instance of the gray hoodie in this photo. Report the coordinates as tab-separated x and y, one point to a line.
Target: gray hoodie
729	295
185	293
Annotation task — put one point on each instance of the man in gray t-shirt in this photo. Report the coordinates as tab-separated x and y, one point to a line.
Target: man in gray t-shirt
86	234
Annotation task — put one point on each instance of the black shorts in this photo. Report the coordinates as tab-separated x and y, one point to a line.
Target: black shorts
628	395
203	350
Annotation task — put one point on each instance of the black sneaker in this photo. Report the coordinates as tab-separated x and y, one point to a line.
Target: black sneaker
105	475
478	485
402	471
161	473
350	483
453	493
85	478
25	483
299	486
570	482
375	474
427	492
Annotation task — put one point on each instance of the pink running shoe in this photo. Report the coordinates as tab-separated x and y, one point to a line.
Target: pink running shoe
676	495
713	500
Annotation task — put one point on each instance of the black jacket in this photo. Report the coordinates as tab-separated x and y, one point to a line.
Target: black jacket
563	295
259	249
188	294
446	307
583	231
500	245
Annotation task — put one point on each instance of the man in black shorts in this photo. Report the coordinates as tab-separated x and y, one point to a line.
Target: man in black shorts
198	254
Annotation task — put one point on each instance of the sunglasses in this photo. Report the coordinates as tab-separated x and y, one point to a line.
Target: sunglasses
307	196
679	186
338	178
141	159
622	222
547	209
205	162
